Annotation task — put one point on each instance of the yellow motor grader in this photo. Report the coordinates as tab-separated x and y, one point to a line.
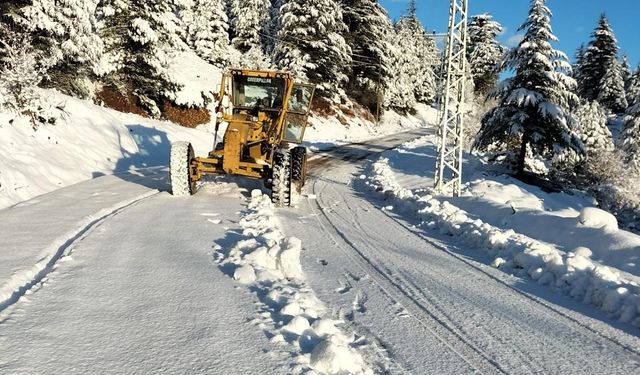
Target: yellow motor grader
265	112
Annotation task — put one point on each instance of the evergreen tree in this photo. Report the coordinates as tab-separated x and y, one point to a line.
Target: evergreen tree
66	30
630	136
415	61
368	33
207	30
273	26
612	94
533	111
578	65
416	41
633	88
250	19
140	37
400	94
311	46
625	69
484	53
594	133
597	62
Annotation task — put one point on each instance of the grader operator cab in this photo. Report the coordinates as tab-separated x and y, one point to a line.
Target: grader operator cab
265	112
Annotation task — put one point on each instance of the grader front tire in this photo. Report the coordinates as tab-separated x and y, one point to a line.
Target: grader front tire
180	171
281	179
298	172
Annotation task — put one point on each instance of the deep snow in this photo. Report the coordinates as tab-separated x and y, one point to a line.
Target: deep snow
557	239
103	269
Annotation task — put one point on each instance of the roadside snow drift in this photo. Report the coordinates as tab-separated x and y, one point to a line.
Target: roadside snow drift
268	263
573	245
90	141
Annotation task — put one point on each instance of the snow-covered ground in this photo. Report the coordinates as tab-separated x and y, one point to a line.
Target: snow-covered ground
91	141
104	271
557	239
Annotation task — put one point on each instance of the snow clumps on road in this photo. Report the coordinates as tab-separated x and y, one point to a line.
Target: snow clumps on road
268	263
572	273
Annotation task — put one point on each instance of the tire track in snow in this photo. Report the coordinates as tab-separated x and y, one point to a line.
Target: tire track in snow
473	356
25	281
430	303
628	348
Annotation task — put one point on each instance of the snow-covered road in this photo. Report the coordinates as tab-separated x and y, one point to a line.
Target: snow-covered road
432	309
112	275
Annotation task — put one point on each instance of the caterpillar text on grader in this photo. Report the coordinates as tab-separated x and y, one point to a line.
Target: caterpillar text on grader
265	112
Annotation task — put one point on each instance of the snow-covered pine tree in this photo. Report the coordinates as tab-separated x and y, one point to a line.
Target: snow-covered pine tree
414	40
311	46
66	30
207	30
578	65
533	114
400	93
415	60
594	133
271	31
597	57
369	29
633	88
140	36
612	94
484	52
630	136
625	69
250	19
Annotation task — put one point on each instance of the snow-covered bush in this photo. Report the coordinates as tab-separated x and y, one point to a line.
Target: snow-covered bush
21	70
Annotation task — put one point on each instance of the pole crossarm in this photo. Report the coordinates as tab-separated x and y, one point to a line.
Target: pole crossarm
448	179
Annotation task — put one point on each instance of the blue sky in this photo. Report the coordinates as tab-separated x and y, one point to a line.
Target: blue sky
573	20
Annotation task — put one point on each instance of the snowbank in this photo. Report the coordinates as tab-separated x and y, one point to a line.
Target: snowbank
331	130
502	220
268	263
91	141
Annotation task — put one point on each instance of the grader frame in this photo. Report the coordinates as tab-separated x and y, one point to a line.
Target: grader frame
265	112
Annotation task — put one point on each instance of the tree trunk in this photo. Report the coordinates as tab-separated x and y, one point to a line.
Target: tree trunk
523	154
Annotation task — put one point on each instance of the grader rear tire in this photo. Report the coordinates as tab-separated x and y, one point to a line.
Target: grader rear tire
180	170
281	179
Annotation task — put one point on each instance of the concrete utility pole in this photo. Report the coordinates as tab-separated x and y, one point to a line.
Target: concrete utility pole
449	165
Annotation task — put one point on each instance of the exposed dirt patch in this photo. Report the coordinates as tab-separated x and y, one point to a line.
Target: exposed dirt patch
188	117
112	98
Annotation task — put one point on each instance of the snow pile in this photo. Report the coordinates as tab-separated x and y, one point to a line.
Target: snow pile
199	80
91	141
571	272
592	217
358	129
269	264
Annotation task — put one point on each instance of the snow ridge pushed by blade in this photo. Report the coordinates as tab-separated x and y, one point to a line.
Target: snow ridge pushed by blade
268	263
572	273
